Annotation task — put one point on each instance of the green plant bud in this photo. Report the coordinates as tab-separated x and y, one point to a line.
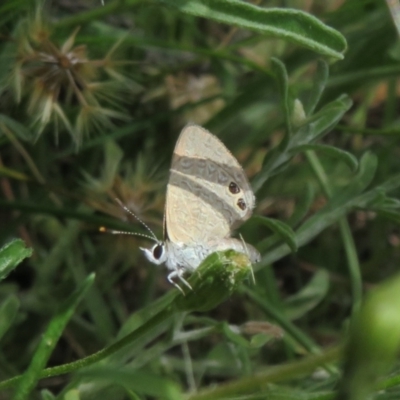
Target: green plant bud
218	276
374	341
298	113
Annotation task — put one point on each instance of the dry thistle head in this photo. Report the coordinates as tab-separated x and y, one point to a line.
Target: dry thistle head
62	85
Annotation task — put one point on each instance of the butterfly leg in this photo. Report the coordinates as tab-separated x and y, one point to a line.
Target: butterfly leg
178	274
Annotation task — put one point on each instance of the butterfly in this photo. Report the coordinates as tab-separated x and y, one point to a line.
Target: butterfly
208	196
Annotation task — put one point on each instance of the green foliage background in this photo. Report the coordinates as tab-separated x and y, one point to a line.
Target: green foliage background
304	94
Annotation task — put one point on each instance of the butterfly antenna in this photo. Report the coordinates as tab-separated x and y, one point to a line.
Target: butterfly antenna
115	232
248	255
154	237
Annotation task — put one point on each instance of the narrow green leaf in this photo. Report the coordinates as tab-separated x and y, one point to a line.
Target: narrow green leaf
259	340
49	341
11	255
308	297
234	337
141	316
322	122
282	79
319	124
320	79
8	311
332	151
283	230
292	25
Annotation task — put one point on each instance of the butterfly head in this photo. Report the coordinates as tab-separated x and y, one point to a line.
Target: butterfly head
157	254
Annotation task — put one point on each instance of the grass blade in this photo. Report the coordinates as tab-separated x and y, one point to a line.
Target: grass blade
49	340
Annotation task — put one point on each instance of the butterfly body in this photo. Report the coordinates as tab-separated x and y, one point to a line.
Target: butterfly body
189	257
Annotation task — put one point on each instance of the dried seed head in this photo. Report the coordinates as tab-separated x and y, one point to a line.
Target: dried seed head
62	84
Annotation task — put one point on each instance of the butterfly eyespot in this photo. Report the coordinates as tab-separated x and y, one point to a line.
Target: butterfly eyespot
241	204
234	188
158	251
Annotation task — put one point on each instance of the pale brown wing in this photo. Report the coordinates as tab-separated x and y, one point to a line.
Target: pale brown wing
208	193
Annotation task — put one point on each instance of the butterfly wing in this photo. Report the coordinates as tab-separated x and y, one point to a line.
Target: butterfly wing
208	193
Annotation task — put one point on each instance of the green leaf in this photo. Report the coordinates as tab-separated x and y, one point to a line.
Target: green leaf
320	79
308	297
292	25
281	77
49	341
316	126
259	340
280	228
233	336
8	311
322	122
332	151
11	255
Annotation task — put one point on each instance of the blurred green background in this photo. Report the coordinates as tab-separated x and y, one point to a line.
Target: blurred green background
92	99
